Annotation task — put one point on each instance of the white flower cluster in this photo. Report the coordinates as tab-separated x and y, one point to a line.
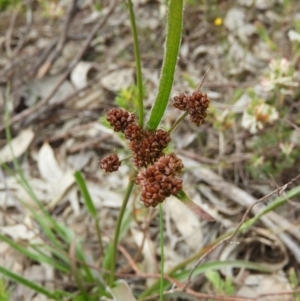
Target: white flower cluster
257	115
280	74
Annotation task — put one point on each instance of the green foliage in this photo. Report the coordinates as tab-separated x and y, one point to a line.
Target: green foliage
294	281
24	281
272	152
127	98
187	78
5	4
264	35
224	287
3	292
104	122
98	5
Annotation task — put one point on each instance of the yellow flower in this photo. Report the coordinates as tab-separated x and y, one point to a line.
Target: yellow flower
218	21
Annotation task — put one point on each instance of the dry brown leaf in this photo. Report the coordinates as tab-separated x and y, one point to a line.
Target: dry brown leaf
150	263
256	285
48	166
186	222
19	145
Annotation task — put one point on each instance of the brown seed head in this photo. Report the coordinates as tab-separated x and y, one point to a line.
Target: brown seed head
196	104
181	102
169	164
148	147
110	163
158	181
120	119
133	132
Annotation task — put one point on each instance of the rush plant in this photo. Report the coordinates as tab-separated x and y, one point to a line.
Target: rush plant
156	172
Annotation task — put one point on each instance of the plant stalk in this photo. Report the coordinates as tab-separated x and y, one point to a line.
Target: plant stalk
118	226
139	77
179	119
162	255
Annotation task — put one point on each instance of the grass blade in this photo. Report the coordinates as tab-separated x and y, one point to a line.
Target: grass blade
19	279
90	205
85	193
139	78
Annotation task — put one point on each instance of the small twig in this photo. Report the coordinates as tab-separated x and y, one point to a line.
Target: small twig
201	83
130	260
59	47
229	238
39	106
180	118
46	51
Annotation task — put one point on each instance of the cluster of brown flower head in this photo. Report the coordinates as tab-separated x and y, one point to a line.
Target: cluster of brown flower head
159	181
157	175
110	163
195	104
146	146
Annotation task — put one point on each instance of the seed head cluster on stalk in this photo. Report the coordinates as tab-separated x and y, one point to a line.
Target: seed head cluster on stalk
195	104
159	173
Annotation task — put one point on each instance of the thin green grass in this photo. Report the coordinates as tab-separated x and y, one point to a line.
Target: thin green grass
19	279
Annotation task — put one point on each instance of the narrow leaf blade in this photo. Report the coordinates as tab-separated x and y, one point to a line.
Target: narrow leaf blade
85	193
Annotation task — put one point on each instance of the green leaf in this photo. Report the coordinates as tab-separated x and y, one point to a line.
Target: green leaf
138	64
3	293
85	193
173	39
215	279
293	278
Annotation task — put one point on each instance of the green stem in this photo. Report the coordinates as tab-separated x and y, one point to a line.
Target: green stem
173	39
99	236
138	64
162	255
180	118
118	226
126	158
